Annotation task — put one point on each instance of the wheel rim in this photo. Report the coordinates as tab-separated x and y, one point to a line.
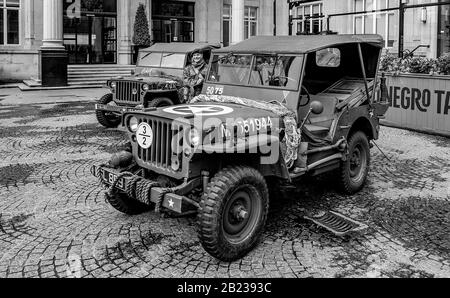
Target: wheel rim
357	163
241	214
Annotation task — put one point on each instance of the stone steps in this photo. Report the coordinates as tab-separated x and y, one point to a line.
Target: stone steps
95	75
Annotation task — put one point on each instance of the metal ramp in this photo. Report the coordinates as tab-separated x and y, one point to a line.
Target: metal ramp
337	223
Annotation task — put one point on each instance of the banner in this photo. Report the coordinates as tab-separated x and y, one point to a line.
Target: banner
419	102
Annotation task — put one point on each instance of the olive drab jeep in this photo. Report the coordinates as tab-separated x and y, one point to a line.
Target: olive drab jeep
157	81
272	110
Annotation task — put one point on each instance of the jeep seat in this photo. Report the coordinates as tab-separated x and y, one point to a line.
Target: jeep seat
320	124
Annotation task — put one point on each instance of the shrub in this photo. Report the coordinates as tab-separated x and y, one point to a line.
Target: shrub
420	65
387	62
391	63
141	35
443	64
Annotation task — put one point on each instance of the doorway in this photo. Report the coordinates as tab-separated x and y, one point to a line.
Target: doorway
91	39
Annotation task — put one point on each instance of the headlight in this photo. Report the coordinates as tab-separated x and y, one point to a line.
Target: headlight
133	124
145	87
194	137
112	85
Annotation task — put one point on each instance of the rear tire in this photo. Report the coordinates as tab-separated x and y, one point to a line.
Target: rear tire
233	212
123	203
107	119
354	171
161	102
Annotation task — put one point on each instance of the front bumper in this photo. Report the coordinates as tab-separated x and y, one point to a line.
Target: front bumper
171	200
116	109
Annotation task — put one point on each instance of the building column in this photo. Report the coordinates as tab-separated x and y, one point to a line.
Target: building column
53	56
53	24
201	21
29	24
237	15
124	47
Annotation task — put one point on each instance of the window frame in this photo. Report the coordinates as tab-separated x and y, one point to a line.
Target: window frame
229	18
310	19
249	21
362	16
5	10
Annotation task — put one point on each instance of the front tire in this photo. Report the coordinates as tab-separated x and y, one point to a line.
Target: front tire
354	171
161	102
105	118
233	212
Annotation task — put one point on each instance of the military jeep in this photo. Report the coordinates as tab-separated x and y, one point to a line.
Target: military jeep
157	81
272	110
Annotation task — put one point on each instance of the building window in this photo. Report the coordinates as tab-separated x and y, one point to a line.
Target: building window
226	24
383	23
309	18
9	22
250	22
173	21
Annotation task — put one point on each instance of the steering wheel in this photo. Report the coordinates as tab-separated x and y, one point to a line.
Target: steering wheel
308	96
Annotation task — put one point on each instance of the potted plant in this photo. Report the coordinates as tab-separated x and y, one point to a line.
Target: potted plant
141	32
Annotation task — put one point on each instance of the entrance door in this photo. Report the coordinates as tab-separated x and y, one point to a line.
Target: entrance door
91	39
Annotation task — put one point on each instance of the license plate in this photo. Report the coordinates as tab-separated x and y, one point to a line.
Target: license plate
109	178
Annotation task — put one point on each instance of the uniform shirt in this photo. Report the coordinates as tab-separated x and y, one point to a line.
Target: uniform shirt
195	76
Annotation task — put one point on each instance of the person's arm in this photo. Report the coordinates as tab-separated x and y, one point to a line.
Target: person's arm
188	79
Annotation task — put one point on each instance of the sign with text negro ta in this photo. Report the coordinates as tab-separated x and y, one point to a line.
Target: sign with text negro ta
420	102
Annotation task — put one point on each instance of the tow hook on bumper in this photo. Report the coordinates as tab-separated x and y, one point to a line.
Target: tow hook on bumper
170	198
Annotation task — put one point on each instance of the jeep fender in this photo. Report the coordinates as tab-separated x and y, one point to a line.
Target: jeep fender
356	119
266	148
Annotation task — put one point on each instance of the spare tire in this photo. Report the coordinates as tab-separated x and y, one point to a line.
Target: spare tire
105	118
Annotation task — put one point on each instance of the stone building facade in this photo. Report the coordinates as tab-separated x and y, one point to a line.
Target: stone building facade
425	26
95	32
100	31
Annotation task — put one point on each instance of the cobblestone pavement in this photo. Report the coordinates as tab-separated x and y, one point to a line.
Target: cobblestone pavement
54	221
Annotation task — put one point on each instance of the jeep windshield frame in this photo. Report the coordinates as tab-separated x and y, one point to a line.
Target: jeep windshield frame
278	71
162	60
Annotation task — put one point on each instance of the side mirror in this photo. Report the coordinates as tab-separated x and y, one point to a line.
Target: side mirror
133	72
316	107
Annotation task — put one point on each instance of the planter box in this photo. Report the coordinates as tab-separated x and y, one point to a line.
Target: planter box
419	102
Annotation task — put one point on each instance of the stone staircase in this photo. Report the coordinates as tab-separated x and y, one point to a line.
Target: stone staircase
96	75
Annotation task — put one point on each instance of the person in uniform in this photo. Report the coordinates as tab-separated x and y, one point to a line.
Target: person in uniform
195	73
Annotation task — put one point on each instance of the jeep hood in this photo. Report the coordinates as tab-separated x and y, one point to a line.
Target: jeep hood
203	111
150	79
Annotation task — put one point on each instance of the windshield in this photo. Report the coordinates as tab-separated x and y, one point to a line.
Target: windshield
280	71
163	60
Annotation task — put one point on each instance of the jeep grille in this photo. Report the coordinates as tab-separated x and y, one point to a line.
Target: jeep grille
124	92
159	155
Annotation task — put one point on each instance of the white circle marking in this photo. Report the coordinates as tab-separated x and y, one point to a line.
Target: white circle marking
199	110
144	135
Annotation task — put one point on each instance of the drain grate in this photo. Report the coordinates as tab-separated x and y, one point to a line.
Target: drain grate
336	223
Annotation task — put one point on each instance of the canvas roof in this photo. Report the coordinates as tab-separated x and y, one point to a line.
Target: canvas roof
178	47
300	44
